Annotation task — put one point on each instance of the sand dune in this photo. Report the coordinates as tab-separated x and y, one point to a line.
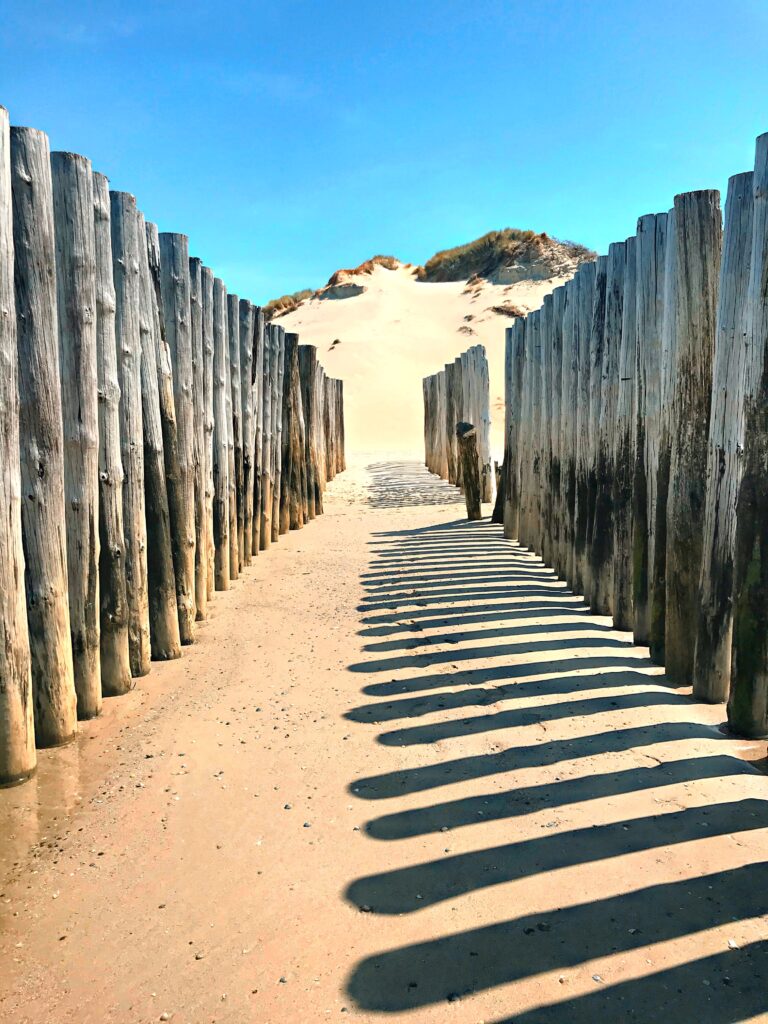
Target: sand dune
398	331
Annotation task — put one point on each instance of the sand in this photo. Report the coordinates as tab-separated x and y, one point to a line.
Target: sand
399	331
402	775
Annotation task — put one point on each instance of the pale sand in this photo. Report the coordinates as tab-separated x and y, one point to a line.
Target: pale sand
526	816
399	331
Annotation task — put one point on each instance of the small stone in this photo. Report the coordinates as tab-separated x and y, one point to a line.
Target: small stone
365	909
732	944
444	828
287	807
283	980
199	956
307	824
598	979
165	1016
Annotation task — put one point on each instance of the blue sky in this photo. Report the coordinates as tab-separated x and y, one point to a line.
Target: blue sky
294	137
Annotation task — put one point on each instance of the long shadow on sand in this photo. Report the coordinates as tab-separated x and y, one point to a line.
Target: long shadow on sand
476	638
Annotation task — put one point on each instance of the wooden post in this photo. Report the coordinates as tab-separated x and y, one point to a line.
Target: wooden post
198	424
308	369
17	737
596	343
220	438
569	382
237	525
651	243
125	255
466	436
544	545
712	666
247	328
208	420
748	702
40	438
600	595
76	304
258	416
657	549
161	584
555	464
514	401
175	289
624	450
233	430
113	607
587	291
291	498
449	427
270	382
699	241
277	432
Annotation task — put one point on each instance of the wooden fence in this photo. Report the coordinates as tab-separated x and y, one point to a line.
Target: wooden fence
458	393
636	452
155	435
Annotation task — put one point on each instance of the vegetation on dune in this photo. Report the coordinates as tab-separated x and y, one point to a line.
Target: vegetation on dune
286	304
510	247
388	262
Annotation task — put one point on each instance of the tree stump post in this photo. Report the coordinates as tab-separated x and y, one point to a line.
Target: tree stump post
221	517
247	327
198	424
161	583
466	436
17	733
76	303
208	423
113	598
233	430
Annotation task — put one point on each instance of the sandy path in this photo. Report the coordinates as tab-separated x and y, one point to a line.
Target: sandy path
402	776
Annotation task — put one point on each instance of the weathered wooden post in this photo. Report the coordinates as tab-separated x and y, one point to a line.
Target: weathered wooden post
175	289
466	436
198	424
76	304
699	241
514	402
545	427
40	438
309	368
569	381
247	328
113	607
291	499
270	384
161	584
624	449
208	421
258	416
277	432
657	552
712	666
588	293
555	467
601	539
17	736
220	438
651	243
748	702
236	414
126	250
233	345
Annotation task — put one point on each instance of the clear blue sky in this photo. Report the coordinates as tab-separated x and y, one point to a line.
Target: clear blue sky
293	137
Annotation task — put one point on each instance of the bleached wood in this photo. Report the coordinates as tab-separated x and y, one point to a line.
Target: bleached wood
270	381
208	374
76	305
175	289
233	429
258	416
161	584
125	263
115	663
247	328
17	739
651	242
277	432
712	664
198	423
220	438
699	240
660	462
748	702
40	439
